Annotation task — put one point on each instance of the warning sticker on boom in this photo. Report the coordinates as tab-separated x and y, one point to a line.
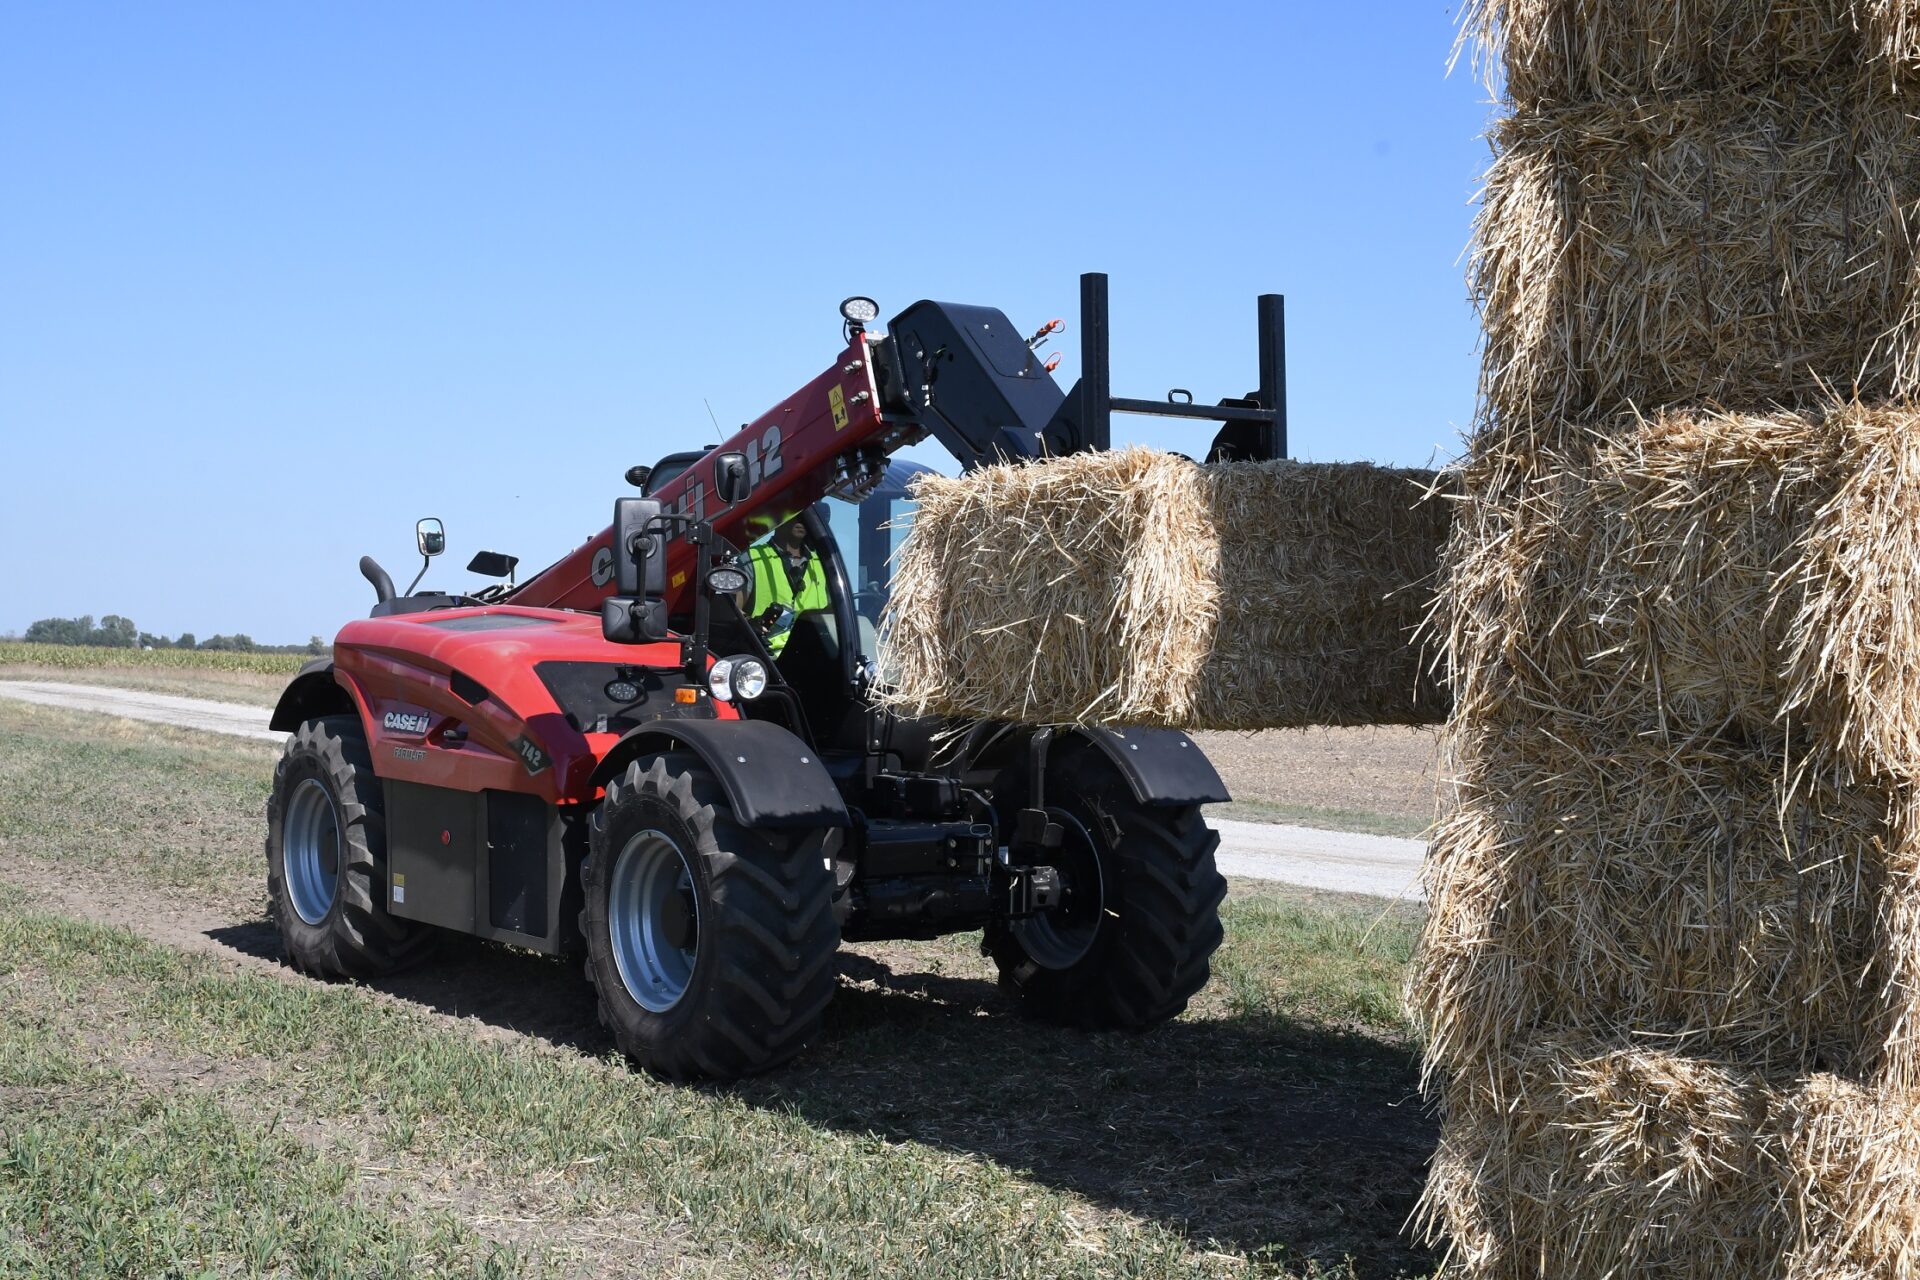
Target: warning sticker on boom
837	402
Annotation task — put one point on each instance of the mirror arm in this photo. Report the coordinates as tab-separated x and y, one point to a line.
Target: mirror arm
693	648
424	562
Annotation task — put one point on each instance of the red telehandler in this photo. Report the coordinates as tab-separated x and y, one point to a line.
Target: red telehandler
627	757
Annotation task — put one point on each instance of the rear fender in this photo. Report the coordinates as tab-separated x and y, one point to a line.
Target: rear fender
1162	766
772	778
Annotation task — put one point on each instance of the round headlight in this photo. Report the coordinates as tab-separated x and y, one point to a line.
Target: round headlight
749	678
720	680
727	579
859	310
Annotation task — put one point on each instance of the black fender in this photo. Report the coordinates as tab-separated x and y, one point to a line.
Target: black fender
314	692
1161	766
772	778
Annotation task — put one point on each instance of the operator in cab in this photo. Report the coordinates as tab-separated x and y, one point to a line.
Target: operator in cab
788	580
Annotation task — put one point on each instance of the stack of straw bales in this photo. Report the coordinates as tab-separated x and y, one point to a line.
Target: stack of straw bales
1670	981
1135	587
1698	200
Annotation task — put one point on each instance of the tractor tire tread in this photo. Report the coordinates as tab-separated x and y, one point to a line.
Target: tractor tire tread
1169	920
773	933
358	939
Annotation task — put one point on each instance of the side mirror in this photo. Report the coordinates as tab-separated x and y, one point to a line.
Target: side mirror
625	620
431	536
730	481
639	550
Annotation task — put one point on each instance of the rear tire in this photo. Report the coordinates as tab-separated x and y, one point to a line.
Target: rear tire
327	858
1134	957
710	944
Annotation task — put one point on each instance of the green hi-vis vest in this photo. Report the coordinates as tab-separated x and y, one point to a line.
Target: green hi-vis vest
771	587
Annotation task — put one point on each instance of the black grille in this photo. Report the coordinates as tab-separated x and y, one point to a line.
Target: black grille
586	694
467	689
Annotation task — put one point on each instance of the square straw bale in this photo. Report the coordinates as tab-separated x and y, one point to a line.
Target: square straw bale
1853	1178
1693	896
1749	249
1547	53
1582	1162
1854	651
1698	573
1137	588
1645	575
1614	1161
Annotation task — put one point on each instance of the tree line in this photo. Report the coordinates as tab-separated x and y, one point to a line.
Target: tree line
116	632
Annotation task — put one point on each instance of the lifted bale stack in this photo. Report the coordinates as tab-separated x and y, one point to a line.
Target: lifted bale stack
1670	979
1137	588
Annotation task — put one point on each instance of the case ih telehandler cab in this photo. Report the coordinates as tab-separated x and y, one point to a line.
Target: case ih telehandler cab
627	757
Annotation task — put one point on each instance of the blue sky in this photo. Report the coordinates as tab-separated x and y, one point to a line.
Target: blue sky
277	279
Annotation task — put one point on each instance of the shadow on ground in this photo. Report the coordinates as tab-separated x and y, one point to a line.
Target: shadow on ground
1264	1135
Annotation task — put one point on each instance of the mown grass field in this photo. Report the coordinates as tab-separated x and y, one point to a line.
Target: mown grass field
173	1102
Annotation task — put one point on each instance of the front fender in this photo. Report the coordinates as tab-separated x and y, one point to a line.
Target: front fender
772	778
313	693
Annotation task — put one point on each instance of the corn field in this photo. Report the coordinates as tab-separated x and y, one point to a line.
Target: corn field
72	657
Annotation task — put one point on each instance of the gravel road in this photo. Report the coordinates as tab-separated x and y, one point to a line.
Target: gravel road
1382	866
162	708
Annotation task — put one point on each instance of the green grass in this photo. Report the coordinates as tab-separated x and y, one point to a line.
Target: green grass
77	657
1328	958
746	1168
932	1131
99	1178
166	807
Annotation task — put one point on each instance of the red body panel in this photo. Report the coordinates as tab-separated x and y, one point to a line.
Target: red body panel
399	670
793	454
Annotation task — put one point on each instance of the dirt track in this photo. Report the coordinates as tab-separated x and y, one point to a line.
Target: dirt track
1340	861
1387	771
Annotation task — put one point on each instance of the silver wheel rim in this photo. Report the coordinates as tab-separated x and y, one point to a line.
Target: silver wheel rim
653	918
311	841
1052	940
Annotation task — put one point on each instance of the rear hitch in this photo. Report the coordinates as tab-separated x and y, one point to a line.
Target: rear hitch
1032	884
1030	889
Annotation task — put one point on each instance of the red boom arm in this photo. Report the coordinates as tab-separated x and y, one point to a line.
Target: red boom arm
795	453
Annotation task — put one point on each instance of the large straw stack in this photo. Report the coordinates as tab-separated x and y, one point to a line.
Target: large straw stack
1135	587
1670	981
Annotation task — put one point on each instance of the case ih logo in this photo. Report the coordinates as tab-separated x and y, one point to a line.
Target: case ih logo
405	722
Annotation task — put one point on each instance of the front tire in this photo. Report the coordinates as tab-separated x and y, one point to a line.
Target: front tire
326	858
710	944
1133	938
